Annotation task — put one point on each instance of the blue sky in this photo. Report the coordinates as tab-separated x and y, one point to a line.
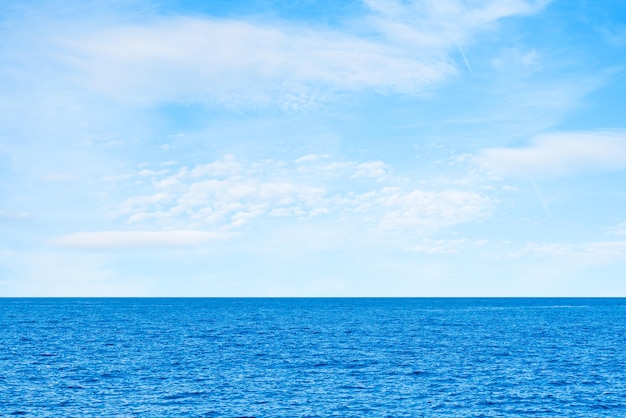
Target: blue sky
313	148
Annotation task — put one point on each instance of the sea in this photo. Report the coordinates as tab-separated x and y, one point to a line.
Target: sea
317	357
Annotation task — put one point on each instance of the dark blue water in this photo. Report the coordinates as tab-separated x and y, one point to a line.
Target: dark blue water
313	357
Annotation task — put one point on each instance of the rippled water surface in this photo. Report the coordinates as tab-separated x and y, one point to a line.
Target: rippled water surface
313	357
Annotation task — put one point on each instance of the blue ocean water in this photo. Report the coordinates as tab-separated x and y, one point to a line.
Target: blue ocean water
313	357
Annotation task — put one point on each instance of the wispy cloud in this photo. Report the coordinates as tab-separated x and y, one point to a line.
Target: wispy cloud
620	229
614	35
401	47
444	23
440	246
593	252
587	253
311	157
240	63
559	154
134	239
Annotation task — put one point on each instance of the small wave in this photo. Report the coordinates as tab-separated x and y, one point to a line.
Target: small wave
353	387
419	373
183	395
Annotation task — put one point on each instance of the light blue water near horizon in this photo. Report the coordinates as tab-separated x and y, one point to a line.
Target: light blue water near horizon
312	357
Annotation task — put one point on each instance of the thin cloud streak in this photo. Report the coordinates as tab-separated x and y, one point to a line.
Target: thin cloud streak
559	154
134	239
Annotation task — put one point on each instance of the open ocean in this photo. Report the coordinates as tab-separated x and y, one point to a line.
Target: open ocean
312	357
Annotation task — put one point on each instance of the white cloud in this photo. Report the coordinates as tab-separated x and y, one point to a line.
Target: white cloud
429	209
311	157
352	169
443	23
440	246
590	253
593	252
227	167
240	63
515	60
290	211
371	169
402	47
201	197
559	154
621	229
134	239
223	193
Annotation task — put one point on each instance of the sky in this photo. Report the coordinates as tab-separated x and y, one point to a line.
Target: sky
313	148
